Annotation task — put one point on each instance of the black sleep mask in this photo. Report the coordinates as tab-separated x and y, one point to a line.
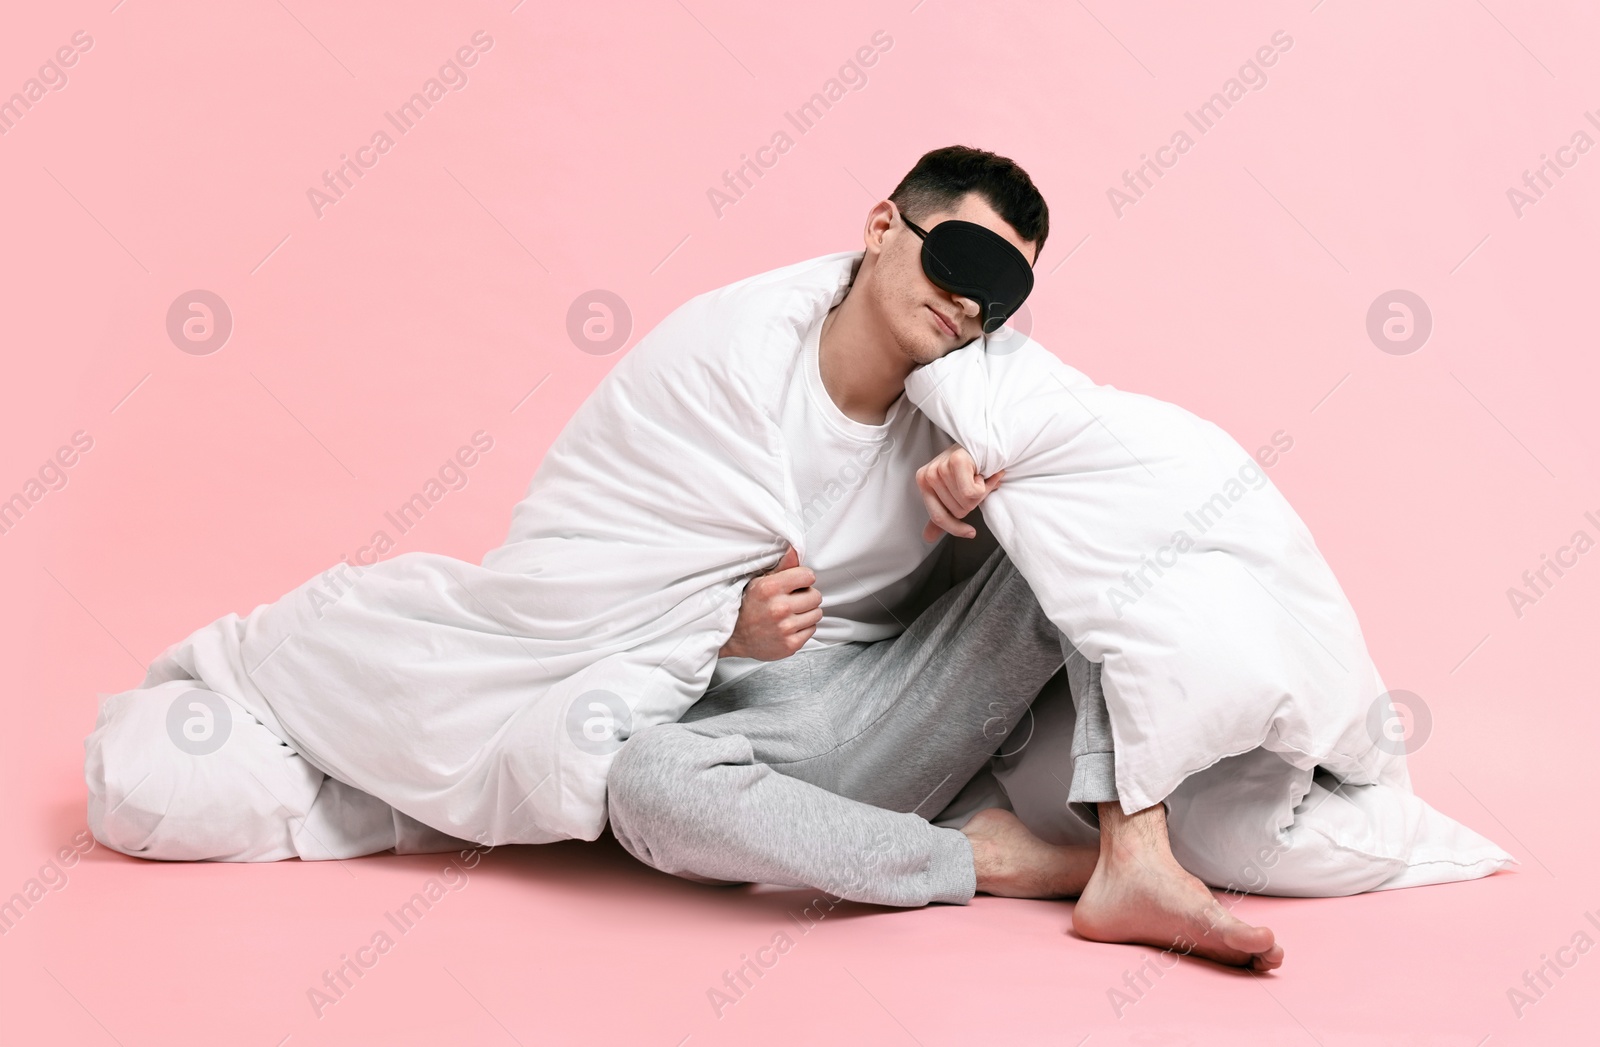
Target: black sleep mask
976	262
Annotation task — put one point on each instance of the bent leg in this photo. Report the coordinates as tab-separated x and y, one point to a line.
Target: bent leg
823	770
177	772
706	808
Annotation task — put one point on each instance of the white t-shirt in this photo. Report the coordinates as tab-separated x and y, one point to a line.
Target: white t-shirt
860	507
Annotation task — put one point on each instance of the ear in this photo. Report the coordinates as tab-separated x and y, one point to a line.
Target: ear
879	221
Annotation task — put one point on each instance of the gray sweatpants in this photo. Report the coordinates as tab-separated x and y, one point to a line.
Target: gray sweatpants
830	769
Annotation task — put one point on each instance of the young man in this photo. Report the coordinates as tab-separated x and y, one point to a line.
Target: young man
861	691
420	701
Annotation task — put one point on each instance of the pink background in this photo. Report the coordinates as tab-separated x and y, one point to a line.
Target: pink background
370	342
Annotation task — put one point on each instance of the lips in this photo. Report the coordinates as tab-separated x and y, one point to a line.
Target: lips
944	322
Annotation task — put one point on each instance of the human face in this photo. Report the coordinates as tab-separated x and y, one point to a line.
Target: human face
925	321
974	261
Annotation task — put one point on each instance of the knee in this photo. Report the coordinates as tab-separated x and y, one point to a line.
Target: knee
661	796
647	771
667	787
177	772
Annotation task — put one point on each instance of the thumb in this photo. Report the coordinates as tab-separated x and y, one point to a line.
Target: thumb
790	559
994	481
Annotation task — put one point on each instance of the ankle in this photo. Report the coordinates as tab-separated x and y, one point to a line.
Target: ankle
1139	836
985	859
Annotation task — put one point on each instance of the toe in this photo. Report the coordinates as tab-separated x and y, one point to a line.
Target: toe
1237	934
1270	960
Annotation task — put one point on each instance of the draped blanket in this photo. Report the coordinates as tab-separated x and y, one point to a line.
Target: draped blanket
487	701
1162	550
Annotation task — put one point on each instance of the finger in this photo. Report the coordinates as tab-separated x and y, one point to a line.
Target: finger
931	532
957	506
763	580
964	478
939	484
942	518
783	581
967	484
806	622
972	488
792	580
790	559
802	601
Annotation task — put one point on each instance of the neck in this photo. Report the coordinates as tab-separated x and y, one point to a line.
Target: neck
861	369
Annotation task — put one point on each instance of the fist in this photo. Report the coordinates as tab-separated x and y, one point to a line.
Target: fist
778	614
951	488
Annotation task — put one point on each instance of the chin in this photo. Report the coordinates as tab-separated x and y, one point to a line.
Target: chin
926	354
922	345
915	348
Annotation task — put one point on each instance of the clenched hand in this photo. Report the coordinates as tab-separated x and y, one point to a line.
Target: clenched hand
951	488
778	614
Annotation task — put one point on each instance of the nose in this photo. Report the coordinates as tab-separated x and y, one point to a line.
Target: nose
967	305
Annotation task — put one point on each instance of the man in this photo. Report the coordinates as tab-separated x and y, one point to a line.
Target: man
857	694
419	701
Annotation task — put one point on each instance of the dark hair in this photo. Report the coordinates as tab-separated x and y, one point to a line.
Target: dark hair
942	177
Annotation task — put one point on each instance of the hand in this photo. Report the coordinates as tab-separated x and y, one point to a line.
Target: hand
778	614
951	488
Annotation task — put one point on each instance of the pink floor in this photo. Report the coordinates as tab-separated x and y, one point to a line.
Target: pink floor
1387	147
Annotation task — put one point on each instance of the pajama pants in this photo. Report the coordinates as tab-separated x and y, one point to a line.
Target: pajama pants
849	768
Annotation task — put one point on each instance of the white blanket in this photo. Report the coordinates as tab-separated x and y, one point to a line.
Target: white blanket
487	701
1162	550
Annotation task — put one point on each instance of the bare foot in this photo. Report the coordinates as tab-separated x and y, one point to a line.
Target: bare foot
1013	863
1139	893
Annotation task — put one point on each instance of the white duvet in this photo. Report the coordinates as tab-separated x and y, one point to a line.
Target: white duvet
1162	550
487	701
